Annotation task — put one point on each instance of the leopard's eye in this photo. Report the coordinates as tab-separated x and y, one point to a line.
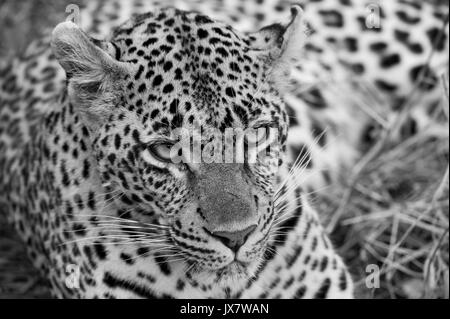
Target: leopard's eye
161	151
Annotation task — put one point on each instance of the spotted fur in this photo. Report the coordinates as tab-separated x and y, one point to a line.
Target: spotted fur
78	114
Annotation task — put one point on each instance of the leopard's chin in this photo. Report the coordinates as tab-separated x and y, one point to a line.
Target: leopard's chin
236	274
235	269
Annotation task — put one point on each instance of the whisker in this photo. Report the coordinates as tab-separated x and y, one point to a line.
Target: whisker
189	269
318	190
117	225
152	252
124	220
125	227
124	237
298	161
109	231
295	184
285	214
108	203
299	165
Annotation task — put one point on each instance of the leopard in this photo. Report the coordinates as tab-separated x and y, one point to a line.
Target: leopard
89	114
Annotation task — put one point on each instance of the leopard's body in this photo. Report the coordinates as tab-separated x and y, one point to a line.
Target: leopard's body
79	185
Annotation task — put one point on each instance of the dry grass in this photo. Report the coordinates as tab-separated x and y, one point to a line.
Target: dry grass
398	218
392	208
392	212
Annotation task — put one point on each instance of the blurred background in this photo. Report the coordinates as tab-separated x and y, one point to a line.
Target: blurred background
24	20
21	21
395	216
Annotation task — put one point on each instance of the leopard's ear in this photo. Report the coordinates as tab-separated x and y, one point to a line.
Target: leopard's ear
93	72
282	43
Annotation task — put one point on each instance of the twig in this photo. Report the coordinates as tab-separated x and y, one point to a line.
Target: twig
431	260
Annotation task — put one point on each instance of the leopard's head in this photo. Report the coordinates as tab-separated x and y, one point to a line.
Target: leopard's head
188	128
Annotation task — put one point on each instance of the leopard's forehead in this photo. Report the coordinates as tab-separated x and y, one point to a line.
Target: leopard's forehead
190	68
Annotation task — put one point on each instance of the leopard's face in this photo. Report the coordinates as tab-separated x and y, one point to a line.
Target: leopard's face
175	138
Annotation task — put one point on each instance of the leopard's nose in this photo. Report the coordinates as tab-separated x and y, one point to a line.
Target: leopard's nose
235	239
